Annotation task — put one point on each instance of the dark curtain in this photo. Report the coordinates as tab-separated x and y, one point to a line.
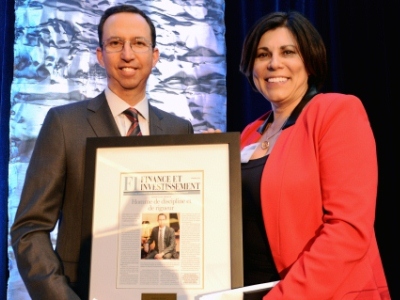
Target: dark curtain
6	75
360	37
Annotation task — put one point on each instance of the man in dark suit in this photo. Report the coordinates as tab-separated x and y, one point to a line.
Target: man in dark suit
164	238
53	189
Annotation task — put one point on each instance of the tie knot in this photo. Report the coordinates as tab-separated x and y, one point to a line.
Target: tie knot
131	113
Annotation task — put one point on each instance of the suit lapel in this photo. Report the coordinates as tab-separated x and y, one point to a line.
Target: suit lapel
155	121
100	117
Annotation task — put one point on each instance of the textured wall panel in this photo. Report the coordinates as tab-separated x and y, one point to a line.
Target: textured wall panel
55	63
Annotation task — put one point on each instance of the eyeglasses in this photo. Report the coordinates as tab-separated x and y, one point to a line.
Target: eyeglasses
138	45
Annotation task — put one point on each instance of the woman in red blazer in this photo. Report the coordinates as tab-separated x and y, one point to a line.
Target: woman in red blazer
309	172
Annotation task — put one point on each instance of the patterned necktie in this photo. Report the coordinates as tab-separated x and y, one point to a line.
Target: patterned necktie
161	242
132	115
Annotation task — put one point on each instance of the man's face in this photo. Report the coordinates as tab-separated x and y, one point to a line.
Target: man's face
127	71
161	221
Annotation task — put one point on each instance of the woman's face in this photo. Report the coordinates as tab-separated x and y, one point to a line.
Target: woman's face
279	72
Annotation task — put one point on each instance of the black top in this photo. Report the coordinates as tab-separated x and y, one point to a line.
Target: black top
258	263
259	266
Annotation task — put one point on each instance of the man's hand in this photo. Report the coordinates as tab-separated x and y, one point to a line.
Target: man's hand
211	130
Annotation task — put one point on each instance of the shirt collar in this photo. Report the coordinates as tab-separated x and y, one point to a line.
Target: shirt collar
117	105
269	117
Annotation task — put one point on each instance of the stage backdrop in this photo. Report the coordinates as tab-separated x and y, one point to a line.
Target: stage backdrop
55	64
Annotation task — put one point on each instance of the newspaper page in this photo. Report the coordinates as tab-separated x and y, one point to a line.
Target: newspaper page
143	197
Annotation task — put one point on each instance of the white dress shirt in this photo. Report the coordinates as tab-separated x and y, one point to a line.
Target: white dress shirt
117	106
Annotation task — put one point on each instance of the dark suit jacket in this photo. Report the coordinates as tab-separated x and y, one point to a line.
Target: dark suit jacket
169	240
53	192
